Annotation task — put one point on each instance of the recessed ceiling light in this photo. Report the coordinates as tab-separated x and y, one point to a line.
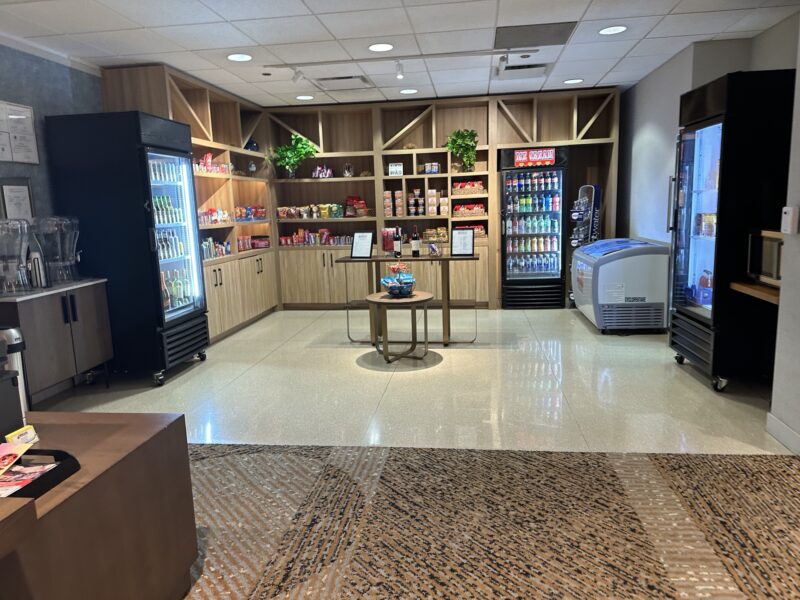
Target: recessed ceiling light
239	57
613	30
381	47
573	81
305	97
408	91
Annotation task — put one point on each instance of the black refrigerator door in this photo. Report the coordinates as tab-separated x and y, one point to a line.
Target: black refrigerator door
174	235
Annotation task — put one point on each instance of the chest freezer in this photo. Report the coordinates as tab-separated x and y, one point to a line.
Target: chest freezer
622	284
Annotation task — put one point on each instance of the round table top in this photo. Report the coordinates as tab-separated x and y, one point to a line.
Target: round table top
417	297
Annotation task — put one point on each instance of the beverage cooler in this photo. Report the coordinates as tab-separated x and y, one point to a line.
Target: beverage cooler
128	178
532	184
730	180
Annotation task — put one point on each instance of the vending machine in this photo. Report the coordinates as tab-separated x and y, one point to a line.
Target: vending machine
532	184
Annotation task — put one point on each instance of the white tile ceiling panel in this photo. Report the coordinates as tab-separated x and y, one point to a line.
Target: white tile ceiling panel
596	50
207	36
18	27
371	95
332	70
472	88
513	86
243	89
330	6
642	64
367	23
421	2
236	10
264	99
763	18
638	27
309	52
404	45
423	91
697	23
451	17
769	3
116	61
319	98
71	16
216	76
287	87
667	45
456	41
256	73
285	30
129	41
620	77
219	56
69	46
153	13
410	80
387	66
460	75
614	9
570	69
459	62
545	55
185	61
528	12
689	6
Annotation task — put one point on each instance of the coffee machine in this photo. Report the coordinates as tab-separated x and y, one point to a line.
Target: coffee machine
14	239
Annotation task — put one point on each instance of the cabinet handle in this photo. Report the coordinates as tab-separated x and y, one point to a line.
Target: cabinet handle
216	283
323	259
221	283
331	257
74	307
64	309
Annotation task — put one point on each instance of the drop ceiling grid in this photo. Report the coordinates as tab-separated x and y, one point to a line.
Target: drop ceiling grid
197	35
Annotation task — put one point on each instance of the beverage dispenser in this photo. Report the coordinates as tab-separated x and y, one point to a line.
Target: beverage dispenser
58	239
14	235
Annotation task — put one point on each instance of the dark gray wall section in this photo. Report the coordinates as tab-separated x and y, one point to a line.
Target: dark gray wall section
52	89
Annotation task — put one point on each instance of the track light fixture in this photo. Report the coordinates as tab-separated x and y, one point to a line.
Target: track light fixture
297	76
398	69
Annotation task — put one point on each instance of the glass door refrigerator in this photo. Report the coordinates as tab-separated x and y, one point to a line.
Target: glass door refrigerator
532	184
730	180
128	178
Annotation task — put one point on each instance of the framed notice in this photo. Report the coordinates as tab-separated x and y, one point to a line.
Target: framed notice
462	242
15	197
17	134
362	245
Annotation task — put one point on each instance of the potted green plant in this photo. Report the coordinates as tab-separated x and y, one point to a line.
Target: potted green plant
463	143
289	156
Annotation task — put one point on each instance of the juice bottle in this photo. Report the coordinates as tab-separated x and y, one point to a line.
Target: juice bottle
177	288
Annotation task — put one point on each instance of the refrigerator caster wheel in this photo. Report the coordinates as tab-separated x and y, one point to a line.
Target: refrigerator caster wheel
202	355
159	378
680	359
719	384
90	378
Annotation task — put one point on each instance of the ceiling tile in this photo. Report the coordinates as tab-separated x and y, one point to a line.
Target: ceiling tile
367	23
459	62
689	6
319	98
644	64
18	27
612	9
331	6
235	10
71	16
620	77
570	69
456	41
219	57
114	61
697	23
763	18
371	95
423	91
667	45
769	3
267	100
129	41
404	45
557	83
460	75
287	87
152	13
285	30
387	66
540	55
243	89
216	76
309	52
638	27
202	37
528	12
736	35
421	2
595	50
513	86
410	80
451	17
472	88
185	61
256	73
69	46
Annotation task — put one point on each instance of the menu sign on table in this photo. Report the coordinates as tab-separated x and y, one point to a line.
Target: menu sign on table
362	244
17	134
462	242
535	157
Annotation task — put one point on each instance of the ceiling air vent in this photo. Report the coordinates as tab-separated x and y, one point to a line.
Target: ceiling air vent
520	72
530	36
347	82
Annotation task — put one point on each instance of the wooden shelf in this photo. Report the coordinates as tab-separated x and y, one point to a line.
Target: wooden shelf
470	174
219	259
309	247
246	178
470	218
454	197
758	290
403	151
218	146
255	222
212	175
217	226
354	153
252	252
324	180
423	218
420	176
342	220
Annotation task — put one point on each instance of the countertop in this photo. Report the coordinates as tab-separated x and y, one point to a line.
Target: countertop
56	289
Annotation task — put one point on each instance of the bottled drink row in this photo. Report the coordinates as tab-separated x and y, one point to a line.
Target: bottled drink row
165	212
521	183
533	263
169	245
161	170
176	292
527	203
531	224
545	243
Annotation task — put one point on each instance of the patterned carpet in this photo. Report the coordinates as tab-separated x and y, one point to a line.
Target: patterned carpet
315	522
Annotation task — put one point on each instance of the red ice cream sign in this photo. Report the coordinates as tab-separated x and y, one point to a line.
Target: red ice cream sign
537	157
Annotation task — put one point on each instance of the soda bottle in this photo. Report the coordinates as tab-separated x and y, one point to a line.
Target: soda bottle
556	202
526	245
509	225
510	264
554	226
509	246
554	180
515	226
520	183
547	244
516	203
508	184
528	183
513	245
548	180
514	183
554	244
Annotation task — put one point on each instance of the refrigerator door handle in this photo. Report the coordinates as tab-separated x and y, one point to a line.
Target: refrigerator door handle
671	204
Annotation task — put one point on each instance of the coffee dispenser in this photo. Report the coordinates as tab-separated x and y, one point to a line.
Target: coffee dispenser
14	238
57	238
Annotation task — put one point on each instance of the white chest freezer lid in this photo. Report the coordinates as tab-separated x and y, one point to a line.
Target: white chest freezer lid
606	247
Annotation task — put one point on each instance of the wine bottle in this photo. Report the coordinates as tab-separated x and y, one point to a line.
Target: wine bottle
398	243
165	297
187	287
415	242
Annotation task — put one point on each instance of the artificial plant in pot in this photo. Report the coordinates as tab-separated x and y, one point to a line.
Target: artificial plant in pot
463	143
290	155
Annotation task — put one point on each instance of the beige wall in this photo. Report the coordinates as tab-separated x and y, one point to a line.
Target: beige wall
714	59
776	48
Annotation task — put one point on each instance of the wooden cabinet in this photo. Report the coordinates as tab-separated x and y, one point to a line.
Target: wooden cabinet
469	280
304	276
91	327
268	282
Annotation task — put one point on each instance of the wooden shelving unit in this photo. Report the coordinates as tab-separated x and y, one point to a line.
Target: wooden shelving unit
758	290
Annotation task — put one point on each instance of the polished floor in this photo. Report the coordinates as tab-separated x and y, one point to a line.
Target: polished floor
534	380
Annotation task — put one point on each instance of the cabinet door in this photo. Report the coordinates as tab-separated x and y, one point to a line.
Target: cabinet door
304	276
268	282
250	287
213	301
49	356
337	277
91	327
231	297
469	280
